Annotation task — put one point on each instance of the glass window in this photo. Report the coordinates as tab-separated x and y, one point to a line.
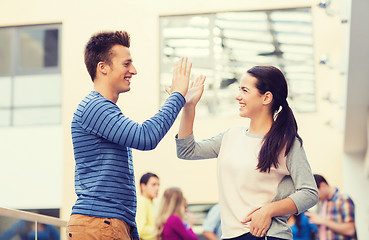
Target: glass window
38	48
30	79
4	117
37	90
37	116
223	46
6	51
5	92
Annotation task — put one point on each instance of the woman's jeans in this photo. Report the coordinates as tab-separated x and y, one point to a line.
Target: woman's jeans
249	236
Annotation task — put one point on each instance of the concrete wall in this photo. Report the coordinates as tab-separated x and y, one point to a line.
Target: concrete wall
356	135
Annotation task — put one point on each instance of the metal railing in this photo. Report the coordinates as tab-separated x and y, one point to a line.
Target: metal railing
32	217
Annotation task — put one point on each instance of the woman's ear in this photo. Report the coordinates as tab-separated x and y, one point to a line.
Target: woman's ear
268	98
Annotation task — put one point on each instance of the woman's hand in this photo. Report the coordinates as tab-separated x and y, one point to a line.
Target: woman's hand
193	96
260	220
195	91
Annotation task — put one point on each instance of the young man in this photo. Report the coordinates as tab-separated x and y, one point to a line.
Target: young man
103	137
336	218
145	217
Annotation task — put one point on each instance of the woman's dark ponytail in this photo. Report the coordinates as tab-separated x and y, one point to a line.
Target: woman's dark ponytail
283	132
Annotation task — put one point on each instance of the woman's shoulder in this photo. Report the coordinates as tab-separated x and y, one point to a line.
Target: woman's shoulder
236	130
174	219
297	146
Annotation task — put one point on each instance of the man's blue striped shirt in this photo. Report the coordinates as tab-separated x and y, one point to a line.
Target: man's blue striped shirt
102	139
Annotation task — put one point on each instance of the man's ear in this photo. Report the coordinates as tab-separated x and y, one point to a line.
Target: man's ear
102	67
322	185
268	97
142	185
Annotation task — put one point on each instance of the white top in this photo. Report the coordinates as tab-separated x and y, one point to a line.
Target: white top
242	187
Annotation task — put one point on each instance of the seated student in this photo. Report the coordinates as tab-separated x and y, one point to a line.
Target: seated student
169	222
212	224
301	228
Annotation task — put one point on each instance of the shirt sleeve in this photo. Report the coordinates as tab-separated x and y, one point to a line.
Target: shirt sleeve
306	195
103	118
212	220
347	209
188	149
177	225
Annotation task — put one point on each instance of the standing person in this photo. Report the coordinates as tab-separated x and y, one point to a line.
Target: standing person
103	138
145	217
301	228
170	223
336	218
263	173
212	224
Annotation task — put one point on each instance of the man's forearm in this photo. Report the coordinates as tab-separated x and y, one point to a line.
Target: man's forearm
210	235
347	229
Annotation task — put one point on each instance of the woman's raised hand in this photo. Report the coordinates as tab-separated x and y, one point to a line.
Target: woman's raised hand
195	91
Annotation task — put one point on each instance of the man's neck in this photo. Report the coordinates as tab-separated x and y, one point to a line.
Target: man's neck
106	93
332	190
146	196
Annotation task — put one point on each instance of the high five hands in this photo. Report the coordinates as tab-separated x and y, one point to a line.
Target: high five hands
180	83
195	91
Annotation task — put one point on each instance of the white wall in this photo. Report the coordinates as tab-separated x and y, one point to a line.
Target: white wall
31	167
356	137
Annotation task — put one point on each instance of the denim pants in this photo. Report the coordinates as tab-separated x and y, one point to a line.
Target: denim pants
249	236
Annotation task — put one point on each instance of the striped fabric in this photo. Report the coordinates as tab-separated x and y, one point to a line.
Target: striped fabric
341	209
102	139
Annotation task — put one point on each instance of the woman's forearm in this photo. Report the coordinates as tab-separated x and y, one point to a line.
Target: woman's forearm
281	207
187	120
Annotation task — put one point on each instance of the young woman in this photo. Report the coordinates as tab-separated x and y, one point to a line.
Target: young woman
169	221
263	173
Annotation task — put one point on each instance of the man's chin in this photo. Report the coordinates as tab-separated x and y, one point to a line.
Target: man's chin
125	90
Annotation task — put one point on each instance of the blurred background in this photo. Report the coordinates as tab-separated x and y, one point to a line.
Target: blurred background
320	45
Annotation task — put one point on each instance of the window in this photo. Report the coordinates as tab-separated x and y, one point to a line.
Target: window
30	75
223	46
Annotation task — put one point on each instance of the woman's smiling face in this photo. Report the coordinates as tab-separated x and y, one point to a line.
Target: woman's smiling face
249	97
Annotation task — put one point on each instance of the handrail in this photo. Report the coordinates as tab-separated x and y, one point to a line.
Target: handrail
34	217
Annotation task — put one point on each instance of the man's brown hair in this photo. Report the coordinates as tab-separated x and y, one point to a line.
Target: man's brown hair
98	48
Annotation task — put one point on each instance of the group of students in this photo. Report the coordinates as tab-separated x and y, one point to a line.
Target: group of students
170	220
263	173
